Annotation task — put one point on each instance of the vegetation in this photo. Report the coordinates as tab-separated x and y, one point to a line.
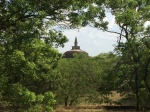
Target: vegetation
27	54
133	65
80	78
33	75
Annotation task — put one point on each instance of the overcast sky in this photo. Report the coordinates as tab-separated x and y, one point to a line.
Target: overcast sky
92	40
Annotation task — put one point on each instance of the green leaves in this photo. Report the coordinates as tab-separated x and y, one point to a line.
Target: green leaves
79	78
25	98
131	16
49	98
128	17
28	57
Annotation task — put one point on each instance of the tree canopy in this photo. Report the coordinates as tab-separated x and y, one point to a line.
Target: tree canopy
27	54
29	34
130	16
80	78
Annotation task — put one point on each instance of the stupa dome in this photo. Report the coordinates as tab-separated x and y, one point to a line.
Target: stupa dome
75	50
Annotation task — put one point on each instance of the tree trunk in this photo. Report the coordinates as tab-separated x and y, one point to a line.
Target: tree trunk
137	89
71	102
66	101
145	79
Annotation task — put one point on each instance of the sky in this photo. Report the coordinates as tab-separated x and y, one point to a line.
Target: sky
92	40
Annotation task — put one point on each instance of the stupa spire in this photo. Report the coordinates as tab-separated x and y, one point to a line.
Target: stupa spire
75	44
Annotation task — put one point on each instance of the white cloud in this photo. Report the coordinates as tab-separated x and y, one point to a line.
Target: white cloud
92	40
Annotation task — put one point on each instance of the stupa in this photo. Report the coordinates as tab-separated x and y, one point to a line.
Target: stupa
75	49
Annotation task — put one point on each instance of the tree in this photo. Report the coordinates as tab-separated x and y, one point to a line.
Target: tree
80	79
87	78
131	21
27	54
108	66
130	16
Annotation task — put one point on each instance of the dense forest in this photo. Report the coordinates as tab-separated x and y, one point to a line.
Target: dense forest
33	75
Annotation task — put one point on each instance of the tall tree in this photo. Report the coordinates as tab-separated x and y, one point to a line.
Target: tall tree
80	79
27	54
130	16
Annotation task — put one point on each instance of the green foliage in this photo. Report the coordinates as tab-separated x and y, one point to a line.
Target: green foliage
79	79
131	16
29	75
88	78
133	66
107	63
27	54
28	58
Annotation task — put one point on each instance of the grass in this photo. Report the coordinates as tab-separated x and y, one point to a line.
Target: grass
73	109
98	107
